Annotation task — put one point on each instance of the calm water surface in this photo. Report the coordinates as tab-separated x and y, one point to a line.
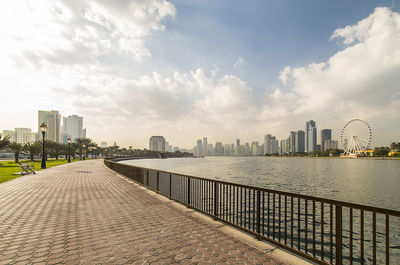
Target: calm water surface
365	181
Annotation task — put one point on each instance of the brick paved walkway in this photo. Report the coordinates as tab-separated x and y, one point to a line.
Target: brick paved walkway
82	213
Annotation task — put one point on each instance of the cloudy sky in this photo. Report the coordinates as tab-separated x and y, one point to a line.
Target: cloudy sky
187	68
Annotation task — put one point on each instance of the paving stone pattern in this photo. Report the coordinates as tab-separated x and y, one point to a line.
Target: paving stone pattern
82	213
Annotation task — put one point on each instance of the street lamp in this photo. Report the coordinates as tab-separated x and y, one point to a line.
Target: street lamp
69	148
43	129
84	152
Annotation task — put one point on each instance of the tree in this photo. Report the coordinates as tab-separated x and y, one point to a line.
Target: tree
32	149
80	141
395	146
16	149
381	151
55	149
4	142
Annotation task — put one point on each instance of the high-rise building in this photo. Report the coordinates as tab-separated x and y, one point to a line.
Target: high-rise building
52	119
267	144
292	142
23	135
326	134
237	149
10	134
157	143
73	126
199	148
331	144
300	141
275	145
103	144
284	146
219	151
254	148
205	144
310	136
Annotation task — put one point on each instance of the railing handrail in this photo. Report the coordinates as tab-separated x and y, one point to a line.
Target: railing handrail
307	197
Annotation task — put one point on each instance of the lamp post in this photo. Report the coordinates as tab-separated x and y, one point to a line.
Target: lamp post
69	150
43	129
84	152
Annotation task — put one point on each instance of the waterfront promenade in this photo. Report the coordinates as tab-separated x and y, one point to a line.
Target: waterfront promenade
82	213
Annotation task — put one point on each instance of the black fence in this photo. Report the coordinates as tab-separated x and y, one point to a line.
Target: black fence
321	230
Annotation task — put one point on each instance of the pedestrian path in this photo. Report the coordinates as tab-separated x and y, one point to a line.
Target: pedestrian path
82	213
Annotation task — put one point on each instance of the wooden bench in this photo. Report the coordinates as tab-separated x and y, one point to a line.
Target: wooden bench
27	168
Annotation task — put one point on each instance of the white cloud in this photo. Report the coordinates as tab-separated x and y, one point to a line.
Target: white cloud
76	32
360	80
239	62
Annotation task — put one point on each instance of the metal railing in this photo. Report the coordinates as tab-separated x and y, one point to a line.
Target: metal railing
321	230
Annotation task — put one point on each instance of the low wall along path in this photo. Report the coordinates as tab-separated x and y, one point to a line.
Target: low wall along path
82	213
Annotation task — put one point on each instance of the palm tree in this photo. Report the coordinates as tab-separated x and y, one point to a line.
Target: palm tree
80	141
16	149
32	149
4	142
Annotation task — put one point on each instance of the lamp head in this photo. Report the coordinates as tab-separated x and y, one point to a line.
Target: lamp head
43	127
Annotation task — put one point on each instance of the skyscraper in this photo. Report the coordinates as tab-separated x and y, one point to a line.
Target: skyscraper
292	142
311	136
237	151
267	144
300	141
199	148
205	144
53	121
326	134
73	126
157	143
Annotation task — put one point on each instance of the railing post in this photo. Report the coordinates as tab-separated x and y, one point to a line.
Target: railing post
258	214
158	181
148	177
338	233
188	194
215	200
170	185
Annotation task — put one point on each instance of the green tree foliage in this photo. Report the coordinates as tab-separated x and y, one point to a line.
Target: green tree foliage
395	146
4	142
16	149
54	149
381	151
32	149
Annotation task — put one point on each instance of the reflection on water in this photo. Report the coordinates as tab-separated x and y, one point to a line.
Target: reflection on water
365	181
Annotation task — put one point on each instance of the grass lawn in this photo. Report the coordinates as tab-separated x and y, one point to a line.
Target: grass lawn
8	168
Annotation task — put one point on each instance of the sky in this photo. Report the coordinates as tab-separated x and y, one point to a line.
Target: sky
188	69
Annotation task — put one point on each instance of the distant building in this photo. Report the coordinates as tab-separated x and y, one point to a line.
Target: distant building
274	145
103	144
10	134
205	144
157	143
326	134
330	144
292	142
254	148
237	149
73	126
300	141
52	119
310	136
267	144
199	148
219	150
284	147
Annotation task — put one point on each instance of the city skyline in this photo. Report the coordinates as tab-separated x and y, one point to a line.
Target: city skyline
188	69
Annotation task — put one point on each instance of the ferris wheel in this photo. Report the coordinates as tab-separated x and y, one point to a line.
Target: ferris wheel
356	137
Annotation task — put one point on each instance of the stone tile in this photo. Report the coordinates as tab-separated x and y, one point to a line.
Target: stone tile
82	213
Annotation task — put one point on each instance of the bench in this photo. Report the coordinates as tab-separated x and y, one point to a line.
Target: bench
27	168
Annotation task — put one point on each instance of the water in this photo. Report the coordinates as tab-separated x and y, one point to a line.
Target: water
365	181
